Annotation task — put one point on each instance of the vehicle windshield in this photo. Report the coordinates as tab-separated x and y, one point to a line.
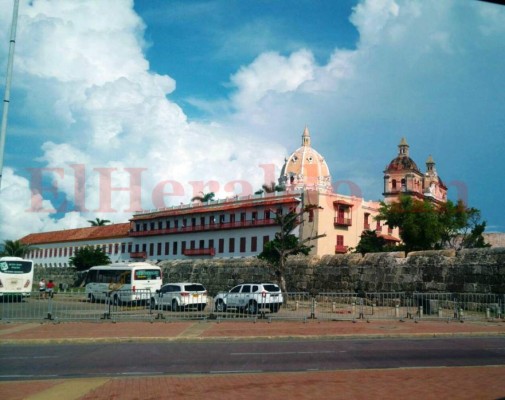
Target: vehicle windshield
15	267
272	288
147	274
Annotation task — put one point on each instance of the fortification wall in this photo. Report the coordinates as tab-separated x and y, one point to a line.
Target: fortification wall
472	271
64	276
469	271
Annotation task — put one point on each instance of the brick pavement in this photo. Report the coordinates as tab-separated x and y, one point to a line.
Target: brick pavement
413	383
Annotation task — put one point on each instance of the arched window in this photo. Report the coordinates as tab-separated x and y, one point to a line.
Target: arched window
393	184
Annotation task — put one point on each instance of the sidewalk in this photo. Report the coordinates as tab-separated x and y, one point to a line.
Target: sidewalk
50	332
414	383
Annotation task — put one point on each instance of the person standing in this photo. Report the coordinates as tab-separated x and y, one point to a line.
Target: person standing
42	289
50	289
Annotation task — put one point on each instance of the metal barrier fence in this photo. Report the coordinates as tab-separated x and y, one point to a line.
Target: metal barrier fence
68	306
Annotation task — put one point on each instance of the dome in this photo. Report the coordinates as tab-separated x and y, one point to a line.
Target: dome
305	167
402	162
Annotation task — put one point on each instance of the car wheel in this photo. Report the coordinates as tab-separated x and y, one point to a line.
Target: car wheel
274	308
175	306
220	306
252	307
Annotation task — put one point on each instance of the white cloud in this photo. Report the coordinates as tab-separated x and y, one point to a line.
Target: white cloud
420	69
114	120
430	71
371	18
23	211
272	73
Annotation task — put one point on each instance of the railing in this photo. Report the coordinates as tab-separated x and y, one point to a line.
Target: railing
340	249
207	227
138	254
211	251
68	306
339	221
252	197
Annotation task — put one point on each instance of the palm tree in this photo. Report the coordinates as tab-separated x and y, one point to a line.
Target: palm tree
15	248
99	222
272	188
204	198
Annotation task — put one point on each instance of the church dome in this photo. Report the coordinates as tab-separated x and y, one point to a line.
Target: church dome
402	162
305	168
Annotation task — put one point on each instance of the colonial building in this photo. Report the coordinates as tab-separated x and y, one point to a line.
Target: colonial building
53	249
402	176
241	226
234	227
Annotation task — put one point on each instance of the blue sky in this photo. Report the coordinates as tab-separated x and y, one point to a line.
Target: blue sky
172	97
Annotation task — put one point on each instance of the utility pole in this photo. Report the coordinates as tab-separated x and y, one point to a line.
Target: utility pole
8	79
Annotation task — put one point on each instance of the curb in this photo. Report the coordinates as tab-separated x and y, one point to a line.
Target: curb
134	339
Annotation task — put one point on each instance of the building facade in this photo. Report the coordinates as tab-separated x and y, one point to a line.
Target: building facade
239	227
402	176
54	249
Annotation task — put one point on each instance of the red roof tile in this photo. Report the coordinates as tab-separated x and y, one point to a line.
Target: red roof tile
79	234
389	238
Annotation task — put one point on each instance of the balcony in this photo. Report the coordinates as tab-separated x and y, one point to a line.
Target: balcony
207	227
138	254
340	249
340	221
210	251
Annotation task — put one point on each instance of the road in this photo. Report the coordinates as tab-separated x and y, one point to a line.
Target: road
21	362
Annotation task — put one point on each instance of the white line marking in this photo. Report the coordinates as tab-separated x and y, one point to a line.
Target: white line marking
140	373
27	376
27	357
250	371
276	353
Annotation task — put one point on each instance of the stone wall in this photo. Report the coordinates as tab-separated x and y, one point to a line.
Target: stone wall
471	271
64	276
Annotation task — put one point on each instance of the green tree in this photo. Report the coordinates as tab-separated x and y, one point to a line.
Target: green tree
205	197
425	225
286	243
87	257
371	243
15	248
99	222
471	234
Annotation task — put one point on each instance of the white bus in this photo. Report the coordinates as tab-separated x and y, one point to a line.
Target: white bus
16	277
123	282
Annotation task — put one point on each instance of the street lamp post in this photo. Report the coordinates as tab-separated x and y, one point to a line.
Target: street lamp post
8	80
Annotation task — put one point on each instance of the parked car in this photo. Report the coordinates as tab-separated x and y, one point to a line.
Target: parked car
250	298
178	296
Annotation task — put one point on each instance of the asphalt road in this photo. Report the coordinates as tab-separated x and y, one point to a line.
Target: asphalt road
20	362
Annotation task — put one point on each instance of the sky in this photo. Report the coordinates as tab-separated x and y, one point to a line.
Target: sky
123	105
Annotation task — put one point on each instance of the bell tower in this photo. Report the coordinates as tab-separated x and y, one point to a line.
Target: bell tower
433	186
402	176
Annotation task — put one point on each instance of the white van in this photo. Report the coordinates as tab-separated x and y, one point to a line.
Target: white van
123	282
